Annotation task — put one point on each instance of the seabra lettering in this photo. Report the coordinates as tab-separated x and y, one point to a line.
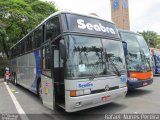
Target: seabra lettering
97	27
85	85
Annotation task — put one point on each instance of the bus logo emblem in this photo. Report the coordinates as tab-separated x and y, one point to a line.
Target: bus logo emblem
85	85
91	78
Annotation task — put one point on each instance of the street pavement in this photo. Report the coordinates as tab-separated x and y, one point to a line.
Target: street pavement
143	100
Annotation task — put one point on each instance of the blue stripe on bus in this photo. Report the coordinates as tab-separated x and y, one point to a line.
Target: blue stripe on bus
38	70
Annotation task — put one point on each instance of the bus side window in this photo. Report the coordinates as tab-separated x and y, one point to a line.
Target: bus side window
23	47
29	45
46	61
52	29
38	37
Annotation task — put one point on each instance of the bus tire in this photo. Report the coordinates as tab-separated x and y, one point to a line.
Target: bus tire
12	77
15	80
39	89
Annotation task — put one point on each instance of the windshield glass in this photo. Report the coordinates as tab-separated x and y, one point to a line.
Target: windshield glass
86	56
138	56
157	57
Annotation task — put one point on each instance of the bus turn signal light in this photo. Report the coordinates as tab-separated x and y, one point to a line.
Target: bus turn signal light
73	93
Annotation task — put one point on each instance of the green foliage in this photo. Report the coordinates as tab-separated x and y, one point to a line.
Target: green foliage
18	17
42	10
151	38
1	71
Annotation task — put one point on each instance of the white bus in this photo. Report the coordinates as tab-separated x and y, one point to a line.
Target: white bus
71	60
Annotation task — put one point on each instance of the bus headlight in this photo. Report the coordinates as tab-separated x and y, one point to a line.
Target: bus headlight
87	91
79	92
122	85
74	93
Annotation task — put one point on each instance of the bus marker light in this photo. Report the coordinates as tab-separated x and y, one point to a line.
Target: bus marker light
73	93
87	91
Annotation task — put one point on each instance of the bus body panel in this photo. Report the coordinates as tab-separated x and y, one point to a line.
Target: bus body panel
96	83
47	89
27	70
141	75
88	101
132	84
139	79
117	90
88	25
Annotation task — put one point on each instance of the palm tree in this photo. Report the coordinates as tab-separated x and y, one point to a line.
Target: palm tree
150	37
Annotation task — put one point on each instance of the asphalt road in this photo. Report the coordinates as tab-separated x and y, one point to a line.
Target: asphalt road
143	100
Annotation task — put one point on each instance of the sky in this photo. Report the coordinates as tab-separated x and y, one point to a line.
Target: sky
144	14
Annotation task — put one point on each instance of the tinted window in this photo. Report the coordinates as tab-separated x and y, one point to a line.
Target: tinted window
91	56
138	56
18	49
52	29
22	47
29	44
46	61
38	36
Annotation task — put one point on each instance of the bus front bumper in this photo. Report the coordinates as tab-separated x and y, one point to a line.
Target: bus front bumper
93	100
139	83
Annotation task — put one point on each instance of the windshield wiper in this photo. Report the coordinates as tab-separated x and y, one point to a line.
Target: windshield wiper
109	60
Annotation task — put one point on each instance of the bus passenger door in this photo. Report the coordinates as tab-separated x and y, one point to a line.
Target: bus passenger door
47	81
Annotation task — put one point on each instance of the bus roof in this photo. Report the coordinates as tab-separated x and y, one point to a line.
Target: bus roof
74	13
57	13
127	31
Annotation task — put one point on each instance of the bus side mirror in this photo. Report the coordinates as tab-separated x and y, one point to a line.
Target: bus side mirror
62	48
125	47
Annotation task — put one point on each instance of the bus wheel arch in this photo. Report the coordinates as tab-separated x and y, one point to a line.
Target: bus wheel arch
39	88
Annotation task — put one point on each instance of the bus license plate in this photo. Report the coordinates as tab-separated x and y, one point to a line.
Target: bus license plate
105	98
145	84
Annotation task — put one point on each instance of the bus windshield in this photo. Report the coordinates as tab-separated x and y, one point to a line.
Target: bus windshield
157	57
138	57
87	57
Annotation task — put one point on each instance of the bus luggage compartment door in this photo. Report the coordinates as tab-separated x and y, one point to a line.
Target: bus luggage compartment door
48	97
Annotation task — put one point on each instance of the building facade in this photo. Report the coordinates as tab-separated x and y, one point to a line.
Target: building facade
120	13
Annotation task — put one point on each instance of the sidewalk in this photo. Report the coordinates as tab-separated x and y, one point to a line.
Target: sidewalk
6	103
1	79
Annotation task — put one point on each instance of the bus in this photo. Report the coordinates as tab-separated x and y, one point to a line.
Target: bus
138	60
155	53
71	60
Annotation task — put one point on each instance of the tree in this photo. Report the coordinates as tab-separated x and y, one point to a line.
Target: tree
3	37
158	42
151	37
18	17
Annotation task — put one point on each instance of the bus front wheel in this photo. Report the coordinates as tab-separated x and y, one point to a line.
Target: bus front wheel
39	90
15	79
